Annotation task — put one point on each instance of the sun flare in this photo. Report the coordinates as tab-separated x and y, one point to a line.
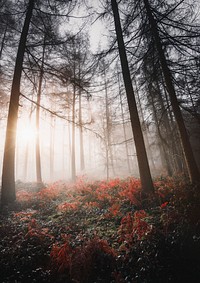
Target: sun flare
26	134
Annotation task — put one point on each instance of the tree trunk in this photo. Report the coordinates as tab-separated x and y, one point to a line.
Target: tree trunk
8	175
37	149
51	148
145	129
123	124
63	152
162	145
73	160
27	149
107	134
145	175
174	139
82	161
69	163
188	153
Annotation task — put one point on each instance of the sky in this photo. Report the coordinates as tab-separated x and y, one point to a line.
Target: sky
96	27
98	36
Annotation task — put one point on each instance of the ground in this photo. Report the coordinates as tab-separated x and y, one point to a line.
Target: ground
102	231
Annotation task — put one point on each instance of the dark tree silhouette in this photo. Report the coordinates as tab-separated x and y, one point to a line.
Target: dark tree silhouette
190	160
145	175
8	174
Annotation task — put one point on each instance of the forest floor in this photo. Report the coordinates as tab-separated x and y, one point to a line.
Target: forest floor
102	231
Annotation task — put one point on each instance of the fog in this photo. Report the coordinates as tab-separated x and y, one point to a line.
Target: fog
55	136
108	146
108	149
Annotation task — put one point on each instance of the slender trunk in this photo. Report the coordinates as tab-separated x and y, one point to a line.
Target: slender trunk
188	153
145	129
109	152
123	125
90	151
8	175
52	137
37	149
174	138
107	163
145	175
25	173
63	153
107	130
82	161
168	146
162	142
73	161
70	146
112	158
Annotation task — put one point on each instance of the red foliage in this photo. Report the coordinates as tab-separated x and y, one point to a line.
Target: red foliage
67	206
141	227
91	204
97	244
163	205
25	215
81	183
166	185
35	231
113	211
95	255
61	256
130	189
134	226
103	195
24	196
79	261
49	193
114	183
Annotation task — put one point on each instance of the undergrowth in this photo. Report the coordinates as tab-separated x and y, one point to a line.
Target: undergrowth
102	231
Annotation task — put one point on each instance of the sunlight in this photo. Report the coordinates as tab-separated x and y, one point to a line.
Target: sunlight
26	134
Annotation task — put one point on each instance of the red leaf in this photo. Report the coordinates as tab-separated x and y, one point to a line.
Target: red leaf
163	205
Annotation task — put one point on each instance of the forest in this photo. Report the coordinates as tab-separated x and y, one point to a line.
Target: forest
100	141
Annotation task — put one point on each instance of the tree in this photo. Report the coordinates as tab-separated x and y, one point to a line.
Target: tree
8	174
190	160
7	24
176	26
145	175
39	92
123	124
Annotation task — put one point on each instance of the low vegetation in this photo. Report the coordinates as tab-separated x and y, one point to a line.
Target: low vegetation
102	231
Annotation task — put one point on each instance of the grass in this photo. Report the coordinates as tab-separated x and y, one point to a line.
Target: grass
102	231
